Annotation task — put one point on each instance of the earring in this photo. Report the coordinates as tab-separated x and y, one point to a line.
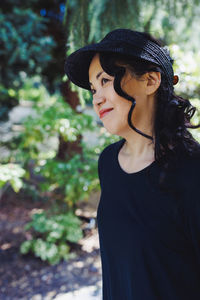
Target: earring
175	80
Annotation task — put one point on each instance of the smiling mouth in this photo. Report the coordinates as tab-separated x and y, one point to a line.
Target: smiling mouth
105	113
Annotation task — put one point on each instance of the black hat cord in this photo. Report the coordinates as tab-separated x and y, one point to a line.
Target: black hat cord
117	86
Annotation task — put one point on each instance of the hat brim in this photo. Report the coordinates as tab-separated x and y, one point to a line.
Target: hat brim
77	65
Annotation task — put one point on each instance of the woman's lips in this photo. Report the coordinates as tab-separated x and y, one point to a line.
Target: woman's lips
105	113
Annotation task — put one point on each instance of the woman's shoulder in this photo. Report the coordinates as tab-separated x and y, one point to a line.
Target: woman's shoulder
190	161
189	180
189	169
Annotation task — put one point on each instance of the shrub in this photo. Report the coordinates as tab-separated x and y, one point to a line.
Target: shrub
53	233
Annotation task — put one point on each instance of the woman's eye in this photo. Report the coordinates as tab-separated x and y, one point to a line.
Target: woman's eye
104	80
92	91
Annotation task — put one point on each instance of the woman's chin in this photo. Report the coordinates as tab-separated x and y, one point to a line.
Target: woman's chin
112	130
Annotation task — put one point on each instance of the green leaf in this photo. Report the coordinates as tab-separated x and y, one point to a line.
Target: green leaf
26	246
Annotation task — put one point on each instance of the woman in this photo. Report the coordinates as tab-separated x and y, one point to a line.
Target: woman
149	212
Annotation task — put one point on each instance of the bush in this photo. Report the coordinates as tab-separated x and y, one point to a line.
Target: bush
11	173
54	233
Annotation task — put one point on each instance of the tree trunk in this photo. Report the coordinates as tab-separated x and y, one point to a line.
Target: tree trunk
68	149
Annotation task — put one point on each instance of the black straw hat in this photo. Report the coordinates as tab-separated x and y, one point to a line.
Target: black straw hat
124	41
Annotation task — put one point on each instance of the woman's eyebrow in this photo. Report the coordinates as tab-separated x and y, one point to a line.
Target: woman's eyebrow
97	76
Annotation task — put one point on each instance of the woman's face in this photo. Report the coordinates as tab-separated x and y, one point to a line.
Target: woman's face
105	97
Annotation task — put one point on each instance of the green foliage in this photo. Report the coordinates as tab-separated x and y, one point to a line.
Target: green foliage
23	40
89	21
11	173
54	233
75	177
51	117
8	99
186	67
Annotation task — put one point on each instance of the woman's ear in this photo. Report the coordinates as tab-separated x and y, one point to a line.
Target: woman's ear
153	80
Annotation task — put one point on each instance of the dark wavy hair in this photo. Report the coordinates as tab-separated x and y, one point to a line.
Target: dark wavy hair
172	113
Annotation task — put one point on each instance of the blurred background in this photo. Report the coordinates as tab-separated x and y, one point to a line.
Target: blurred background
51	137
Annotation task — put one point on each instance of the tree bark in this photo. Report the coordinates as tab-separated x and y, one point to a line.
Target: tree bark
68	149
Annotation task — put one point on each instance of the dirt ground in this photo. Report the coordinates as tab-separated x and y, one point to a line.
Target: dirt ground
27	277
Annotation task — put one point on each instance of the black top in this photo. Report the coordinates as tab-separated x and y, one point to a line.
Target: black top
149	239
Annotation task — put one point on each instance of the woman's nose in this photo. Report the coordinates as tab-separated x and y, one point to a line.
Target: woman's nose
97	100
